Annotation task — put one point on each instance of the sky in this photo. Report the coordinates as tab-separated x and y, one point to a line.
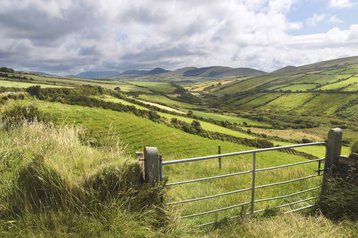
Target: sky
72	36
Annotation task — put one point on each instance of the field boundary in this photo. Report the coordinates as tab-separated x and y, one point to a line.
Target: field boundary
153	167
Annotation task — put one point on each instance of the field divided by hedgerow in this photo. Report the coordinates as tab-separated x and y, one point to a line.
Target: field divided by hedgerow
341	84
326	104
162	87
245	85
172	143
16	84
164	101
260	101
298	87
288	101
230	118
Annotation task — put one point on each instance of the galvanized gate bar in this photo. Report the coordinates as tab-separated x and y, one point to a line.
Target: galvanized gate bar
289	204
241	172
297	202
288	165
299	209
287	181
209	178
253	181
216	210
288	195
240	153
209	197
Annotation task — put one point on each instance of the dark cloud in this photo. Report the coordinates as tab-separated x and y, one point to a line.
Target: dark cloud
88	51
40	28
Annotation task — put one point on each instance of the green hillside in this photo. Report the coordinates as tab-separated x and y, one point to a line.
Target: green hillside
106	127
106	122
322	93
337	75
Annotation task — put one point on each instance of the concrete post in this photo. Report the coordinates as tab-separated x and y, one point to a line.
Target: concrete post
152	165
334	145
333	152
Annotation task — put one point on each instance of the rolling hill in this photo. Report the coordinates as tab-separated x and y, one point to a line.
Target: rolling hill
313	77
324	88
183	74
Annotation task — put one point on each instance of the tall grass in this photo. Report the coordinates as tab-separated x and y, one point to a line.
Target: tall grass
54	184
283	226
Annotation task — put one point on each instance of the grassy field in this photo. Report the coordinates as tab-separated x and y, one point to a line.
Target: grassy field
137	132
326	103
209	86
123	132
108	98
209	126
288	101
298	87
14	84
230	118
260	101
341	84
134	131
165	101
245	85
157	86
63	153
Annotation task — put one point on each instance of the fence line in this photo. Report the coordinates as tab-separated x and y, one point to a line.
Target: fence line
153	173
239	153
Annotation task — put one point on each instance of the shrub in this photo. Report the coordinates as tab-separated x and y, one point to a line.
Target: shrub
17	115
340	200
354	148
306	140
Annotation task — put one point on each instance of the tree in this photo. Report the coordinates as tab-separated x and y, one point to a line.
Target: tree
7	70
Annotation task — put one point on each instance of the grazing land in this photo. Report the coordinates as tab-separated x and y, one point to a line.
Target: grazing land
77	131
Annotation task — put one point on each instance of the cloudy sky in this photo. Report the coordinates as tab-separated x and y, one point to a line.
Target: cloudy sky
71	36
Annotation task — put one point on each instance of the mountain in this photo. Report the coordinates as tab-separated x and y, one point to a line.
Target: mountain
221	72
187	73
97	74
158	71
138	73
288	68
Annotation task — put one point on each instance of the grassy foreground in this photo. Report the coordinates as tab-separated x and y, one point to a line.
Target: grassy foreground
53	184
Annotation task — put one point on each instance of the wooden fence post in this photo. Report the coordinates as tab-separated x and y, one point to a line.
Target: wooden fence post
333	152
152	165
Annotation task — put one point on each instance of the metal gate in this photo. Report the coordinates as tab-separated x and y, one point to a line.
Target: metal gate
254	171
153	167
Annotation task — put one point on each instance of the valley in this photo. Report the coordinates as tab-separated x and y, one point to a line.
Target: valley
193	117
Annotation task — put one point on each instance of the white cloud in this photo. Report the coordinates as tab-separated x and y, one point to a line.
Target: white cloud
76	35
340	3
335	19
315	19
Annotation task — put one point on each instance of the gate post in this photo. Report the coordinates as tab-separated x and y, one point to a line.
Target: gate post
334	144
333	152
152	165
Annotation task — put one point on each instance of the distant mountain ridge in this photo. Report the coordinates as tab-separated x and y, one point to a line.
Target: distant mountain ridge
160	74
97	74
134	73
